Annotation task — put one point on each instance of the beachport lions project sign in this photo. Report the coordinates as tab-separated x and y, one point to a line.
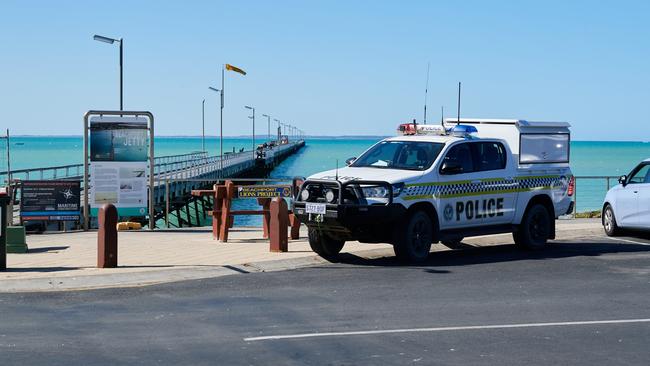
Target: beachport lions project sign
119	161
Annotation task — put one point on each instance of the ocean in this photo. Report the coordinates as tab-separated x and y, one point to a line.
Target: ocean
588	158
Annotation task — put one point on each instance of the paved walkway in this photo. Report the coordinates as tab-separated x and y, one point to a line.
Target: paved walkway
67	260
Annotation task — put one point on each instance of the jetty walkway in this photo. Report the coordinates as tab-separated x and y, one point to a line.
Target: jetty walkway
175	176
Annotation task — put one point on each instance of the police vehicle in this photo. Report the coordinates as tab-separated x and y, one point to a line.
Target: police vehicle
442	183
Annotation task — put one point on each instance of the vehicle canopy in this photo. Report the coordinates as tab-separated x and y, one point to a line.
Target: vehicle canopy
532	142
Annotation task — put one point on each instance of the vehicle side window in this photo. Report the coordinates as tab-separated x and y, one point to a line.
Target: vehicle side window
642	175
460	155
489	156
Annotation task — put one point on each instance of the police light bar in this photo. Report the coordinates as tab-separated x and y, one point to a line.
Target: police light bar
417	129
464	131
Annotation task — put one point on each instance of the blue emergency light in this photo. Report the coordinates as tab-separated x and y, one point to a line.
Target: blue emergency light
464	131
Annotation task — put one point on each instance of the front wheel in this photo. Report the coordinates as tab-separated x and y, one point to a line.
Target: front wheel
323	245
609	222
535	228
413	240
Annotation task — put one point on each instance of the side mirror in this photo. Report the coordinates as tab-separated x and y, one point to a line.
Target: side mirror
623	180
451	168
350	161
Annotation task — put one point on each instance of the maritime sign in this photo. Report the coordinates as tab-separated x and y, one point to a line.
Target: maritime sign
50	200
254	191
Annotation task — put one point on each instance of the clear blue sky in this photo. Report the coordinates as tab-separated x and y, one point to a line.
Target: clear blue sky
330	67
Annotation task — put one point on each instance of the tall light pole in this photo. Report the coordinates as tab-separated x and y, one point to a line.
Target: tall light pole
220	91
203	125
279	129
269	123
253	118
111	41
224	67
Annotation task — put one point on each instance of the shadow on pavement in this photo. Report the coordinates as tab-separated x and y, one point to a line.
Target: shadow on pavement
504	253
47	249
42	269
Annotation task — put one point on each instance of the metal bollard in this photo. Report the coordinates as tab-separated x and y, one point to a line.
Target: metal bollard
107	237
278	225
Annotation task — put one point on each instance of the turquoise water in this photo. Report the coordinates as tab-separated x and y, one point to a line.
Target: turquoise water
588	158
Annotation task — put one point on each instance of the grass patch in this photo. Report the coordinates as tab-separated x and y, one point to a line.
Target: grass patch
588	214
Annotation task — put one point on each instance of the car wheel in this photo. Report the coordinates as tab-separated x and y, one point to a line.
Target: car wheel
413	240
609	222
535	228
453	243
323	245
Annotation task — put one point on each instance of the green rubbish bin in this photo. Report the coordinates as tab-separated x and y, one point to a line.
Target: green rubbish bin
4	201
16	239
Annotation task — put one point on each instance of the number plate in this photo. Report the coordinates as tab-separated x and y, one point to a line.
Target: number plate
315	208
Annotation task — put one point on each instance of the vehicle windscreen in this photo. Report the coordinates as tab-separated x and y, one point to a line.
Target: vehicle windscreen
408	155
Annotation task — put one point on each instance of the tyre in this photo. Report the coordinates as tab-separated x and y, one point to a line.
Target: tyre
453	243
609	222
535	228
323	245
412	242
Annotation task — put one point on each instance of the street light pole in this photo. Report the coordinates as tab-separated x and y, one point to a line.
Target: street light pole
269	124
253	118
111	41
121	74
203	125
220	91
279	131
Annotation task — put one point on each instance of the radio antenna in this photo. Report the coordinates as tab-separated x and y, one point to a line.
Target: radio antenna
337	169
458	120
442	115
426	91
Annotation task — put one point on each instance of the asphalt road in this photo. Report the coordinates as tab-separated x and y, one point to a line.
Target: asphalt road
459	308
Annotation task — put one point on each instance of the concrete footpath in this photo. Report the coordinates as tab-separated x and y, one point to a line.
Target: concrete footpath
66	261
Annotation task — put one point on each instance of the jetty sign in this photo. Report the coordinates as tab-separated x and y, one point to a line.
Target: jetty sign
119	164
53	200
273	191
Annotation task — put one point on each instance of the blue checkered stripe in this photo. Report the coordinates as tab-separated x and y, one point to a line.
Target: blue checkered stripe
485	186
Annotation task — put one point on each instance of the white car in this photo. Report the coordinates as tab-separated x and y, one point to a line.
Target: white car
627	205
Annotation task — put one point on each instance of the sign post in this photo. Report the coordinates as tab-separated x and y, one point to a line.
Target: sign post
117	151
4	201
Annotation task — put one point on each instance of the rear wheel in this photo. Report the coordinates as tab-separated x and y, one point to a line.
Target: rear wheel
414	238
535	228
609	222
323	245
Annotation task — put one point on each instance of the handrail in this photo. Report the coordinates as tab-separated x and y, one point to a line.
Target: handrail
178	162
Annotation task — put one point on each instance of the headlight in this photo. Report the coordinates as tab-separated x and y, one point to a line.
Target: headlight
375	192
304	195
330	196
381	191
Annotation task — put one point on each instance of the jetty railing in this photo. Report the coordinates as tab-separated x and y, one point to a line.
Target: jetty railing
590	191
163	165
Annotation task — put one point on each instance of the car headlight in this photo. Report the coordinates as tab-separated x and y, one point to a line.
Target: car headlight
375	192
304	194
330	196
381	191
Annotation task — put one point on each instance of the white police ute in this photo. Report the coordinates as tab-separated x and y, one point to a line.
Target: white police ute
442	183
627	205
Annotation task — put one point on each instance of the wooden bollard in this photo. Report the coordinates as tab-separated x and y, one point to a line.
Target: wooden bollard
294	222
278	225
107	237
